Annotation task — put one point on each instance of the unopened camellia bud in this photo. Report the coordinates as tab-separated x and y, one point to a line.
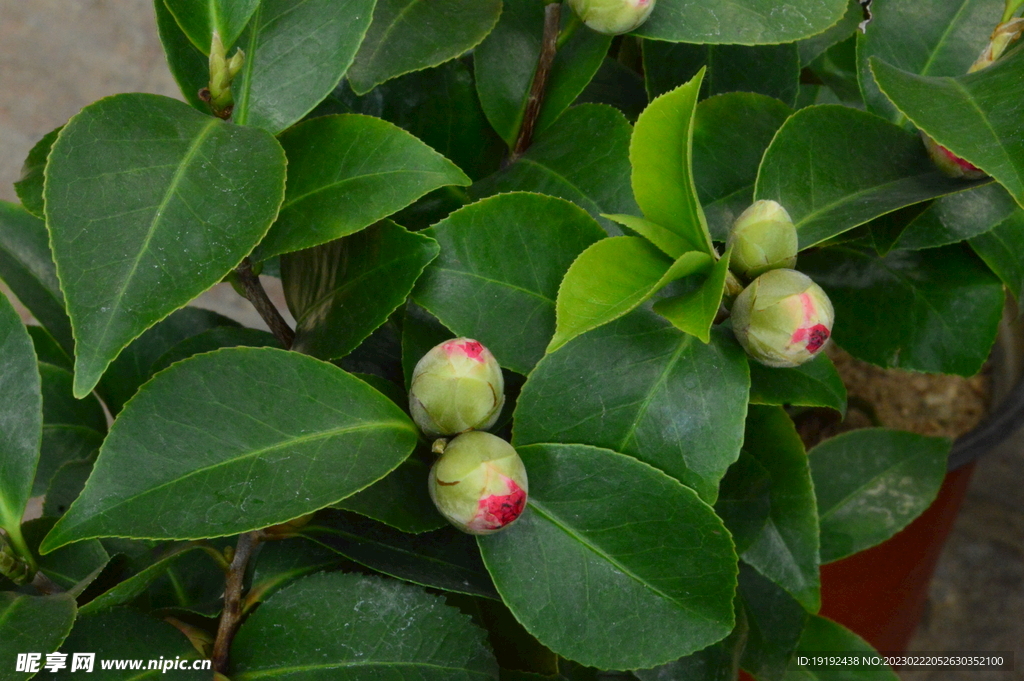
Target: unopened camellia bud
613	16
949	163
456	387
479	483
762	238
782	319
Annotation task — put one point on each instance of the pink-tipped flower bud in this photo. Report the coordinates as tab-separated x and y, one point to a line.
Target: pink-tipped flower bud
782	319
479	483
456	387
949	163
613	16
762	238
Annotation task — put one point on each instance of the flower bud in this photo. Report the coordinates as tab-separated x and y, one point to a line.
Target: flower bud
456	387
612	16
479	483
783	318
949	163
762	238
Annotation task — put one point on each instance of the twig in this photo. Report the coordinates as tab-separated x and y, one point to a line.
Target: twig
231	616
548	48
256	295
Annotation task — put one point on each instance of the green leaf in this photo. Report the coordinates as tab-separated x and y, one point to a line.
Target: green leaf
421	331
661	152
1002	249
339	292
810	48
617	85
583	157
969	115
341	627
786	551
409	35
858	165
958	217
134	586
189	66
60	445
620	548
60	408
30	187
213	451
283	561
127	178
936	310
497	277
694	312
812	384
823	635
400	500
129	635
32	624
296	51
775	622
506	61
68	566
347	172
200	19
871	483
744	500
65	486
214	339
47	349
948	37
745	22
193	584
611	278
21	419
730	135
667	241
443	559
640	387
27	267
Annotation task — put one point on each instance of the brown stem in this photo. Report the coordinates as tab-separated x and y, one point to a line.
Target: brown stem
256	295
231	616
548	48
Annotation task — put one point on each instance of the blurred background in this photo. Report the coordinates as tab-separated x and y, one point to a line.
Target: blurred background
56	56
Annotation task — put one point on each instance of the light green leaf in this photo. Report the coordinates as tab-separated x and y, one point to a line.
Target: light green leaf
200	19
670	243
744	22
694	312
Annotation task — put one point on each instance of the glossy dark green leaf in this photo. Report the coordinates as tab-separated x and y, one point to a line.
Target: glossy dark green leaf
189	66
730	134
583	157
200	19
823	635
497	277
947	38
192	584
640	387
296	51
69	565
410	35
859	166
342	627
936	310
772	70
30	187
214	339
718	662
126	634
619	548
810	48
442	559
506	61
745	22
134	586
150	203
958	217
27	267
345	173
969	115
65	486
617	85
812	384
694	312
786	551
32	624
213	451
775	622
47	349
836	69
136	363
1002	249
660	152
283	561
871	483
21	419
380	354
61	444
339	292
60	408
400	500
744	500
420	332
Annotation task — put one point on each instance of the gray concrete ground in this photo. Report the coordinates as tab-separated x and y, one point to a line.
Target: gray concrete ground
59	55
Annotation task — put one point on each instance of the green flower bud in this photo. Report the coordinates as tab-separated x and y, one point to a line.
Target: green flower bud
949	163
456	387
762	238
612	16
479	483
783	318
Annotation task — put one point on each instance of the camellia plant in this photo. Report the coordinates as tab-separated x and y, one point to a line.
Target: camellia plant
562	277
